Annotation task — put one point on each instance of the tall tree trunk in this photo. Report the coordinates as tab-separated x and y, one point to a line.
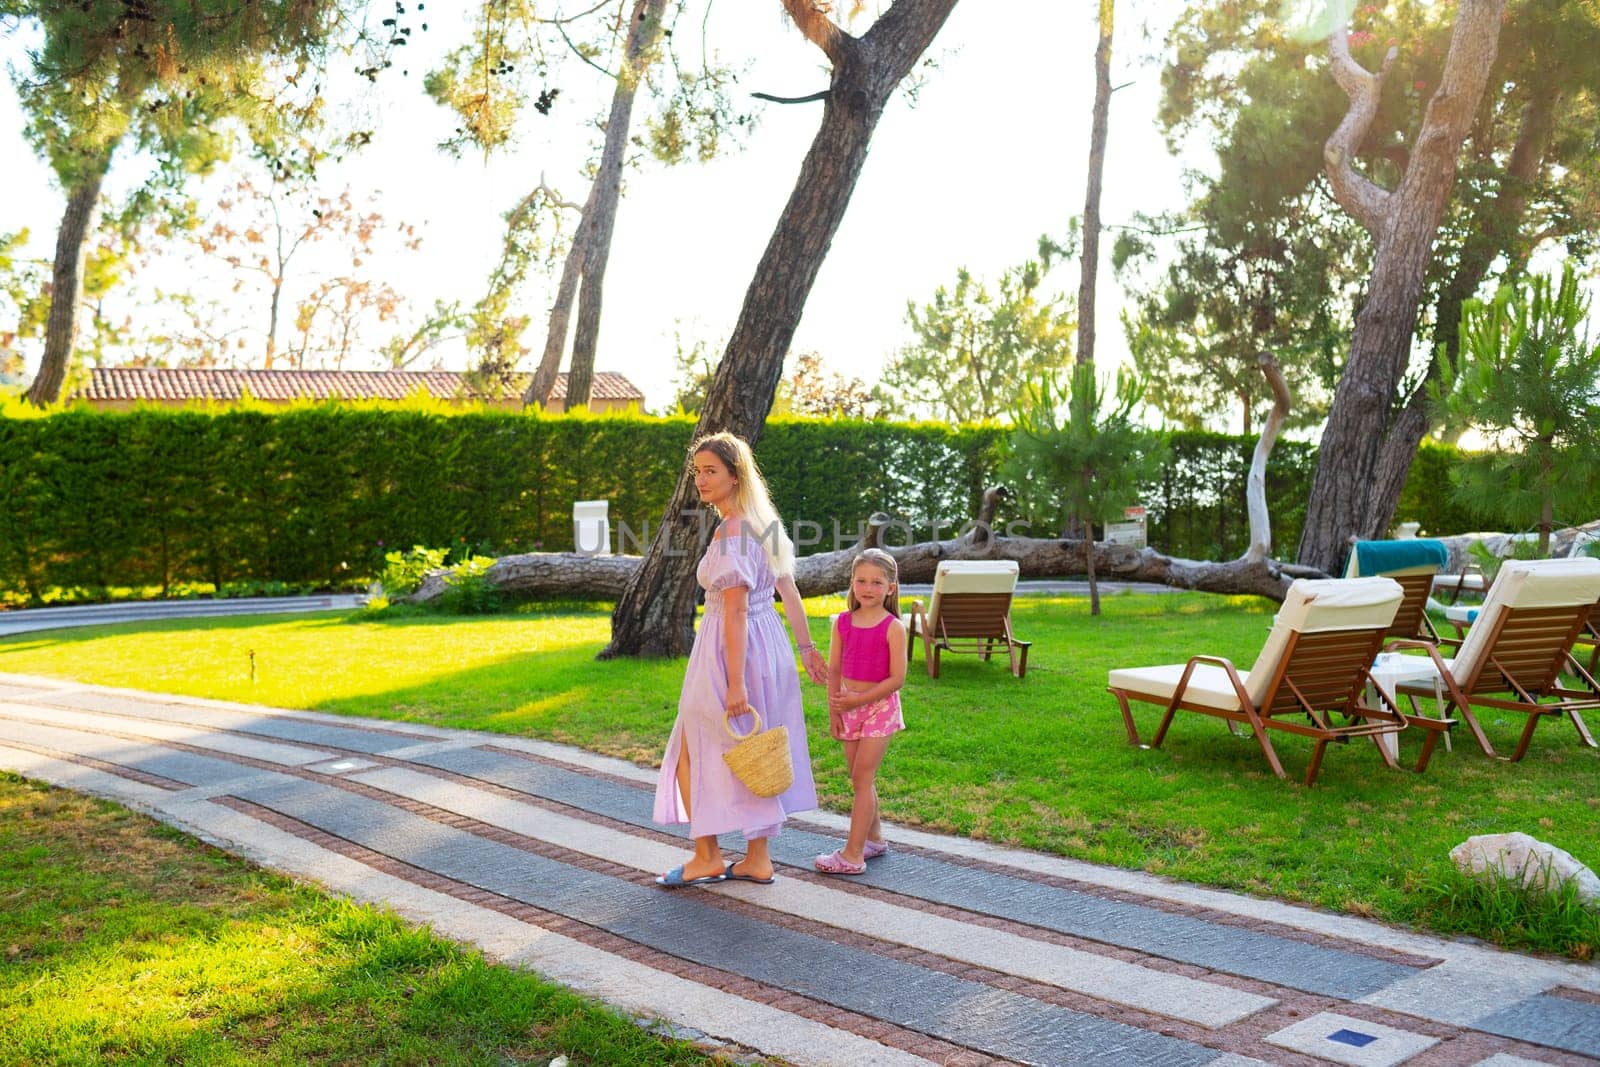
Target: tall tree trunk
1493	232
1091	206
643	33
272	320
1345	499
655	614
555	338
61	327
1094	579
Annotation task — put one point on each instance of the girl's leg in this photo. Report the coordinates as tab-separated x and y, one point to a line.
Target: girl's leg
875	827
864	780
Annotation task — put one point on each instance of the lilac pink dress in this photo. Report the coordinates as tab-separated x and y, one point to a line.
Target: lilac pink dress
719	802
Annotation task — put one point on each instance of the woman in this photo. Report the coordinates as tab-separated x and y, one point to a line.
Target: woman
741	661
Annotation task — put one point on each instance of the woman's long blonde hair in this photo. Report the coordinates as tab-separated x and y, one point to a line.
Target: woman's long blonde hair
751	500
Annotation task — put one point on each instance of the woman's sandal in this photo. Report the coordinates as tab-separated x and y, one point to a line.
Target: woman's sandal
833	863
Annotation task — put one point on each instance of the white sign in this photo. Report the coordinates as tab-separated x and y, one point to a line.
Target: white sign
1125	533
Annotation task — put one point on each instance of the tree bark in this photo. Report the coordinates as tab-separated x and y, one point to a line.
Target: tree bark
567	574
1346	499
655	615
1493	232
643	32
1256	482
555	338
61	326
1091	206
570	575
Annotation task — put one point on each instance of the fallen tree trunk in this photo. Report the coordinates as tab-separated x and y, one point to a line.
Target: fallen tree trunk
567	574
1503	544
536	575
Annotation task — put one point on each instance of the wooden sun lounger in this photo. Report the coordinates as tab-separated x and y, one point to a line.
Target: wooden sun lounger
969	612
1315	665
1517	651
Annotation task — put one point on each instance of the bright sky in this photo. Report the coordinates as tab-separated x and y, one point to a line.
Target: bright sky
994	154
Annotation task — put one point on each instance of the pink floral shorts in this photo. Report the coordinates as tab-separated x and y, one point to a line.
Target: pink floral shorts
881	718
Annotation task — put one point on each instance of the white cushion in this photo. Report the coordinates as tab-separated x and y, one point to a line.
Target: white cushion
972	576
975	576
1208	685
1527	583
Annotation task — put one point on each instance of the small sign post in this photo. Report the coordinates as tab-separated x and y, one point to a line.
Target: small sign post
1131	531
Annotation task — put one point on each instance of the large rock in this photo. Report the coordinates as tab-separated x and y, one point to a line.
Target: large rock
1531	861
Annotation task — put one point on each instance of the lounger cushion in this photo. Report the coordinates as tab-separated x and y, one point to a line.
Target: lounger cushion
1315	605
971	576
1527	583
975	576
1208	685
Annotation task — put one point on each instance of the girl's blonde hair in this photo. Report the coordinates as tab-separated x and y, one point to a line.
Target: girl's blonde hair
750	497
880	559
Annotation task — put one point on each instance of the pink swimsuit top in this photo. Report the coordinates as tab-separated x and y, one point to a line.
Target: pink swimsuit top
865	656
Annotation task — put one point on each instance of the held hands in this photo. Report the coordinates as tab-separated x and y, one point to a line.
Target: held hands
841	701
816	667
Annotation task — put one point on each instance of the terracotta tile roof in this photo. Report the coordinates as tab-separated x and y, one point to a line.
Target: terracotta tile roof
148	383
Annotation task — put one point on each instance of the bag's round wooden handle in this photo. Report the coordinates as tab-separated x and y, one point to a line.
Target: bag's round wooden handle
727	724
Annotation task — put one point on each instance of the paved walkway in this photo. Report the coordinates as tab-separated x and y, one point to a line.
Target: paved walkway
948	950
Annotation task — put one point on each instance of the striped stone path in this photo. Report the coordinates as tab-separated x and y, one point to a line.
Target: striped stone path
948	951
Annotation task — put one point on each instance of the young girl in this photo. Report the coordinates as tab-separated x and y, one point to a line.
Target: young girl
866	668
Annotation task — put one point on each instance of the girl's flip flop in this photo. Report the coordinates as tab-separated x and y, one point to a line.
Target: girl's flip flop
674	879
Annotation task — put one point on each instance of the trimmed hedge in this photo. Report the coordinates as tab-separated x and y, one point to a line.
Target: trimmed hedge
317	494
153	498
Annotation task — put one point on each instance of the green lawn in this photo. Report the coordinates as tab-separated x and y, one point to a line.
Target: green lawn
127	942
1042	762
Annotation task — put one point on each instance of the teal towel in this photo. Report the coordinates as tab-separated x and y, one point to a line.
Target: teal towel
1376	557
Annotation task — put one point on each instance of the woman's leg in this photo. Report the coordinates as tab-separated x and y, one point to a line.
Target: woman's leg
757	862
707	853
864	761
683	777
707	859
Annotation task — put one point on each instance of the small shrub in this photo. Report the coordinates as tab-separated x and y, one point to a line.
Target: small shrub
468	590
403	571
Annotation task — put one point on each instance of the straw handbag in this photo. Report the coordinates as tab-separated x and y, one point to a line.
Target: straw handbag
761	759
